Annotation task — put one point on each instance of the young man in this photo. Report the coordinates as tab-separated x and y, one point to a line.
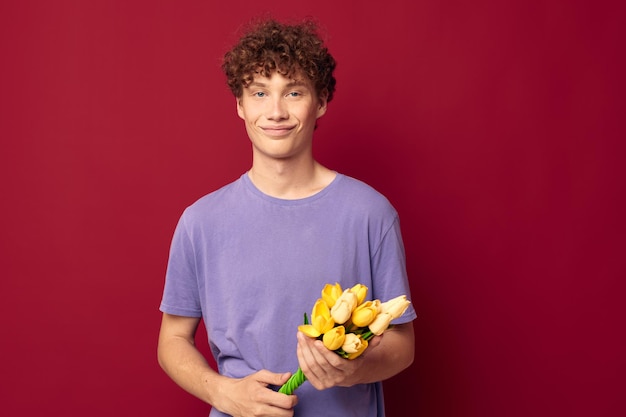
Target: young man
253	256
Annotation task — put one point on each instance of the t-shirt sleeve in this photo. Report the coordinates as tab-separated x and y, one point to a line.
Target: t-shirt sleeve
389	270
181	292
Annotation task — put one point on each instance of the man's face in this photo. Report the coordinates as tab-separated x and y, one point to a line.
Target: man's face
280	115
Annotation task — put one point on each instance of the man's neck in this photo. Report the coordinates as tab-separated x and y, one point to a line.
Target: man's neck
288	180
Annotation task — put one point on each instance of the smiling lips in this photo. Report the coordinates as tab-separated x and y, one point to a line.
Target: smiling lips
277	130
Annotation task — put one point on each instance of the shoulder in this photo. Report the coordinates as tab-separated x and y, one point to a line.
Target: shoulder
358	186
215	202
361	194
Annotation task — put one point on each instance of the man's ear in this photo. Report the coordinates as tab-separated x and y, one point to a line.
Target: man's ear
239	107
322	103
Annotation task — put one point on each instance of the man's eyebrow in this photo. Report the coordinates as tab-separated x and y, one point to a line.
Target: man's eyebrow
294	83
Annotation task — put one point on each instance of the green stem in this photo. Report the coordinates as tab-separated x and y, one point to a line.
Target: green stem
293	382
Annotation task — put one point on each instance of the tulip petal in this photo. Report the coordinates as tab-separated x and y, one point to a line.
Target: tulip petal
331	293
334	338
309	330
380	323
396	306
364	314
355	355
360	291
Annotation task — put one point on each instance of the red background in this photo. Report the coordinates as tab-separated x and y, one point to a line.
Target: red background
495	128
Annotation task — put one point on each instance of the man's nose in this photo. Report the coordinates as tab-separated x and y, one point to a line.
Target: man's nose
277	109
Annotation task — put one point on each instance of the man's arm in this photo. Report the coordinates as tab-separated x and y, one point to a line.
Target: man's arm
181	360
386	356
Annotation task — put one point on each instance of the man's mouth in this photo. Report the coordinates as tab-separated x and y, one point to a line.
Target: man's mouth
277	130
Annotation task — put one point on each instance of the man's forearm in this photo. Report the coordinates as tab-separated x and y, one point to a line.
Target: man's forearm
187	367
182	361
394	354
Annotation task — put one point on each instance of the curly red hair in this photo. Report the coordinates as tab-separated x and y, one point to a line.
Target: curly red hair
269	46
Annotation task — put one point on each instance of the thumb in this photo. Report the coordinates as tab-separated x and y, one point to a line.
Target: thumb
375	341
272	378
282	378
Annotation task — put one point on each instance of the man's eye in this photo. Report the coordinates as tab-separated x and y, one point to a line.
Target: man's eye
294	94
259	94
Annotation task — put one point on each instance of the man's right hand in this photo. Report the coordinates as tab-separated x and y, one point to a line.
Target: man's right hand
251	397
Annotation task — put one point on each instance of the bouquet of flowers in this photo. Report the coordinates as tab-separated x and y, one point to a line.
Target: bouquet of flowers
344	322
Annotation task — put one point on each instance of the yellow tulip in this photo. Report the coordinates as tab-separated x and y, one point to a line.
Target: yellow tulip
364	314
355	346
345	304
352	343
361	292
334	338
331	293
321	320
380	323
309	330
396	306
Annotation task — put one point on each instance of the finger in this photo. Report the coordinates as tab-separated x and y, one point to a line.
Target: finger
271	378
320	354
306	358
316	363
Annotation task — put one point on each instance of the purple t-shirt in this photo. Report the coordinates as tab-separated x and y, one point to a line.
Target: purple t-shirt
251	265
